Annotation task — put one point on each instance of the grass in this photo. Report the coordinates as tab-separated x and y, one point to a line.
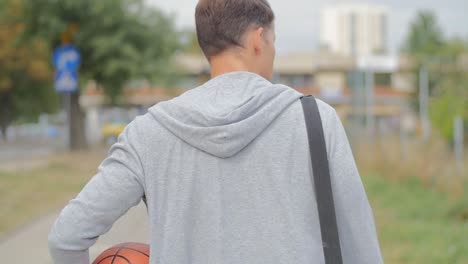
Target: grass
432	163
419	200
416	224
26	195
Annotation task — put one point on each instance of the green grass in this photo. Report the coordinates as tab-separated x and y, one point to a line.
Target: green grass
417	225
26	195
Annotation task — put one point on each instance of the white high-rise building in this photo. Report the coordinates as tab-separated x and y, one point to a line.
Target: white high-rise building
354	29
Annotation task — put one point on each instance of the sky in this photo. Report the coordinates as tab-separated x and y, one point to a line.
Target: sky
297	21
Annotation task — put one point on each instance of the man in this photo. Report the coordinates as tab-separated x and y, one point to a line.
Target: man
225	167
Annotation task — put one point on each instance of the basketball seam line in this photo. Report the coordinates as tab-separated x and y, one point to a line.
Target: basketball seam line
115	255
111	256
126	259
136	251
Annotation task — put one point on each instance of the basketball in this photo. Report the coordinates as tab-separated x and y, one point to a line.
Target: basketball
125	253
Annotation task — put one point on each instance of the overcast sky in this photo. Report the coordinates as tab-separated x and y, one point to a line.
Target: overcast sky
297	21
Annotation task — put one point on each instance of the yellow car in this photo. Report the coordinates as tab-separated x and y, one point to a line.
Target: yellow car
111	132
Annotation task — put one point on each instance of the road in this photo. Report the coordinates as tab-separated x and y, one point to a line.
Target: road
29	244
12	152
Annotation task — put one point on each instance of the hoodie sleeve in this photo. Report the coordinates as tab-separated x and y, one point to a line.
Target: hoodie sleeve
358	236
116	188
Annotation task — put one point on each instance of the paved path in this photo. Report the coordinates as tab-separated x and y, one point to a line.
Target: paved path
11	152
29	244
16	157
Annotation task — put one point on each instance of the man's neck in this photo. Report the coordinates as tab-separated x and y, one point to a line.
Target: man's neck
227	62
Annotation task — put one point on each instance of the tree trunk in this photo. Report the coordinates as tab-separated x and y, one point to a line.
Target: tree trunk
78	129
3	128
76	119
5	113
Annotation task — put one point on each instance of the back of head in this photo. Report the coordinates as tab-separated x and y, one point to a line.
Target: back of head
221	24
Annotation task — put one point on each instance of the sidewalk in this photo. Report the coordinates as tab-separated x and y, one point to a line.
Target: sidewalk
29	244
21	156
11	151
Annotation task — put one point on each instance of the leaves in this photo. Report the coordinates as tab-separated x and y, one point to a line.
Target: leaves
448	77
425	37
25	74
119	40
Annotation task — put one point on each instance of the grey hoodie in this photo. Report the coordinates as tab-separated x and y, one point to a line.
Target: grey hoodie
227	174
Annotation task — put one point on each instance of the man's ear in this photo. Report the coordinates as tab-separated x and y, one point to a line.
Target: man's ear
258	39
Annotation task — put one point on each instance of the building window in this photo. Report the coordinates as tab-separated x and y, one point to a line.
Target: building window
353	32
383	79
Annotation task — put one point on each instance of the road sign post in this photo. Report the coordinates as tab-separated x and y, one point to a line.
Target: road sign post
67	60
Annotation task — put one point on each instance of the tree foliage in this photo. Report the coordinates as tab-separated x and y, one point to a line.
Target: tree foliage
189	42
25	75
448	77
425	37
119	40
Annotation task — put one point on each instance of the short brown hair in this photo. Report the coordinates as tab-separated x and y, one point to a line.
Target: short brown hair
221	24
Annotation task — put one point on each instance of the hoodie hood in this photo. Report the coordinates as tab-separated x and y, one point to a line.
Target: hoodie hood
222	116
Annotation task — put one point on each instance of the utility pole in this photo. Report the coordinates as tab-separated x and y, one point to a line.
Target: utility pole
358	85
423	103
370	120
458	143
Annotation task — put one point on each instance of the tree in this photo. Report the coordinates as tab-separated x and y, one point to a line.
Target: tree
451	94
449	104
119	40
424	43
425	36
448	79
25	89
189	42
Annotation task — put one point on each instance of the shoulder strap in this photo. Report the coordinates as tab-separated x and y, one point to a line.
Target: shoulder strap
323	188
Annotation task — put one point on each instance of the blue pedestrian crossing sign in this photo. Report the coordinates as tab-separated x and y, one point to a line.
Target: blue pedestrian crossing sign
66	58
66	81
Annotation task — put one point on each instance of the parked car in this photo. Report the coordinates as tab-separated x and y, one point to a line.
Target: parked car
112	130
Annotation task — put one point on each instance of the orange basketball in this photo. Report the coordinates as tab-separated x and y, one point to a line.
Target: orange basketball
125	253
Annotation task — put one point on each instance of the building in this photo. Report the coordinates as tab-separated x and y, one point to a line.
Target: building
353	29
326	75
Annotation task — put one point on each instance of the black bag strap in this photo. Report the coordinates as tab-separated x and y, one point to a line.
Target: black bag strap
323	188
